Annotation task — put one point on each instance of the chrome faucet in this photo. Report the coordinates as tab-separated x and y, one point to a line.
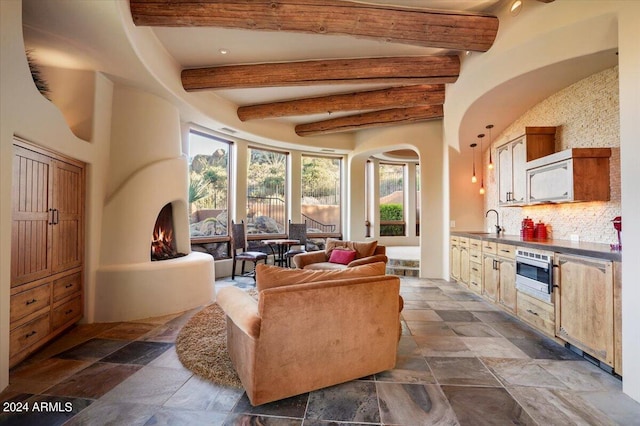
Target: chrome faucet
498	228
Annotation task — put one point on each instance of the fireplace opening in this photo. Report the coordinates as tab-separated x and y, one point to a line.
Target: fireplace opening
163	241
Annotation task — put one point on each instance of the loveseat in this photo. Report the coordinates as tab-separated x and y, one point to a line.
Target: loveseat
361	254
303	334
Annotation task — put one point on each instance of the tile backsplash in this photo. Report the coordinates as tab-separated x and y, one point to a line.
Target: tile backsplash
587	116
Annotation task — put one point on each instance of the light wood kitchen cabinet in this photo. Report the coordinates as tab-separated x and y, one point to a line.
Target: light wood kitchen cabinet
454	258
475	265
507	294
512	158
498	274
464	260
617	317
539	314
578	174
46	247
585	305
490	277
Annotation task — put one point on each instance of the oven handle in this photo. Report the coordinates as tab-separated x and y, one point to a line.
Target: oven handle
533	262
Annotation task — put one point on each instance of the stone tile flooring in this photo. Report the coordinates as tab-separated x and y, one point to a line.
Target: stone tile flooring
461	361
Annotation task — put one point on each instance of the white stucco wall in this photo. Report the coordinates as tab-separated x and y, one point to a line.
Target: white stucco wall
25	113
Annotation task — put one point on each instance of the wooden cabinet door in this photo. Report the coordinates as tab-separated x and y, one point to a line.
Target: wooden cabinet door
519	167
507	287
584	305
505	174
464	265
68	205
455	261
553	182
31	232
490	277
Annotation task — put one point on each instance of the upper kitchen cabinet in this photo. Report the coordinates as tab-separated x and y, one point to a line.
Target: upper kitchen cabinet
578	174
512	162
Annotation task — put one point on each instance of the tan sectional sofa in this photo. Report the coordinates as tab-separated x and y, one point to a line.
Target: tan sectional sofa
365	252
301	336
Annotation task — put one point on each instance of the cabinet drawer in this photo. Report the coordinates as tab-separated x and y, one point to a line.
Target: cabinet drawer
464	242
65	286
475	256
475	244
537	313
475	278
30	301
29	334
507	250
68	311
489	247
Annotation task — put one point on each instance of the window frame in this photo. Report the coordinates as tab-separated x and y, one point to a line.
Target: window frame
338	233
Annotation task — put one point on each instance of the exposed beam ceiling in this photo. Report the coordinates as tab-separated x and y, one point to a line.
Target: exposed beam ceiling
371	119
420	27
398	70
395	97
422	77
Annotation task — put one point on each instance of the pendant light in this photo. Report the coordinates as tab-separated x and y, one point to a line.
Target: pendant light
490	166
480	136
474	179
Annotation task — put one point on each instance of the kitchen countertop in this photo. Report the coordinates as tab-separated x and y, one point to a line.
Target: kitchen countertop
597	250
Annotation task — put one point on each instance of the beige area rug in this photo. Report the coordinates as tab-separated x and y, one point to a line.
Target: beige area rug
202	346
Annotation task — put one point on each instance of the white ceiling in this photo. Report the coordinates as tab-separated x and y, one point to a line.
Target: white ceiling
89	34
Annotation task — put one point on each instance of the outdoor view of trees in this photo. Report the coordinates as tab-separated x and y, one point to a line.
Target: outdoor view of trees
208	185
266	174
391	198
321	193
266	188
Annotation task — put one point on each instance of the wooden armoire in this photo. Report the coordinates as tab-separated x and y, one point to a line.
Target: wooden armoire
47	247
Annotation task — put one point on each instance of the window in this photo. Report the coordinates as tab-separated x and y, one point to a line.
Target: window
321	194
392	200
266	184
208	189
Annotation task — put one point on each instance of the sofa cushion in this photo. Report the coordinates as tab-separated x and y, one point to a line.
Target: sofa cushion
268	276
341	256
362	248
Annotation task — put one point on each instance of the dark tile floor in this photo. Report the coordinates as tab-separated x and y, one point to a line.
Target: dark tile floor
461	361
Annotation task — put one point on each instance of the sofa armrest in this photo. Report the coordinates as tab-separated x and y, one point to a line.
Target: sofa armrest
369	259
304	259
242	309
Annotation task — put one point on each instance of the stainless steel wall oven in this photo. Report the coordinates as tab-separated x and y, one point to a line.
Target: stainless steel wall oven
534	273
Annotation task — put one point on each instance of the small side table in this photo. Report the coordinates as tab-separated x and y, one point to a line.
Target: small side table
281	246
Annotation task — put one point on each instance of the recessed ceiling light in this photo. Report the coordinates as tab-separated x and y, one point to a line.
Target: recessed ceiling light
516	6
223	51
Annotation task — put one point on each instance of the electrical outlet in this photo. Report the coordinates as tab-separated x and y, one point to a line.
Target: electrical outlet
452	224
575	238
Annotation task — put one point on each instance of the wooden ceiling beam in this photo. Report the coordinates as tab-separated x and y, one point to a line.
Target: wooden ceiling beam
365	120
421	27
390	70
395	97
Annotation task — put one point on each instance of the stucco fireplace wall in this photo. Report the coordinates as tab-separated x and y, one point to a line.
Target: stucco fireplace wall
147	170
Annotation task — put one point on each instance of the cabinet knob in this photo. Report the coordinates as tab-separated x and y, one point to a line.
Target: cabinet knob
531	312
30	334
29	302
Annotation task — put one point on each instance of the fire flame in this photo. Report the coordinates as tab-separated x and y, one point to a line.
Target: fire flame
161	242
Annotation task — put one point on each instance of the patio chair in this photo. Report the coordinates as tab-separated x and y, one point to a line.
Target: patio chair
239	242
297	231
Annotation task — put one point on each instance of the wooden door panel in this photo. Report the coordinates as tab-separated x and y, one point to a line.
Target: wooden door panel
68	204
508	294
585	314
30	233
